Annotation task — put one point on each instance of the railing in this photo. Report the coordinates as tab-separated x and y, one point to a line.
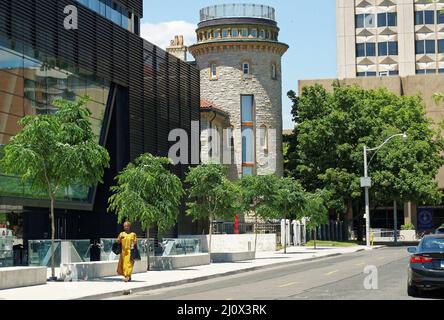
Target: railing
6	251
332	231
106	253
237	10
66	251
245	228
174	247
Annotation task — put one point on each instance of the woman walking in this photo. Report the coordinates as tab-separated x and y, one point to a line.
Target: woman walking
128	241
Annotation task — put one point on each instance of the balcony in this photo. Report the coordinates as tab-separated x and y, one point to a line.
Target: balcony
237	11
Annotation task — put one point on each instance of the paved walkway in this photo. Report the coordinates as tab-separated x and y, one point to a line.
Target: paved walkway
114	286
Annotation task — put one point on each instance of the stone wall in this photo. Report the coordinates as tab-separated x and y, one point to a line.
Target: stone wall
226	91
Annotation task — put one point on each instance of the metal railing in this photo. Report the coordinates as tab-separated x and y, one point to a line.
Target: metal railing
237	10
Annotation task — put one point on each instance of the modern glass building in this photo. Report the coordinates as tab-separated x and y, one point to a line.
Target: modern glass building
138	94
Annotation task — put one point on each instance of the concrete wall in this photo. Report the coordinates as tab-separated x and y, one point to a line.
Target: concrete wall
220	257
236	242
100	269
423	85
16	277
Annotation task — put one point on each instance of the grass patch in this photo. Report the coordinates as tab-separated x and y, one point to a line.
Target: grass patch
332	243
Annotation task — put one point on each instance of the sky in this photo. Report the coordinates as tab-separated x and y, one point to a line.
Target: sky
308	27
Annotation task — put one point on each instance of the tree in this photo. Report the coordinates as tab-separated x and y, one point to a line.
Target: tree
257	196
315	212
340	122
211	195
290	201
148	193
56	151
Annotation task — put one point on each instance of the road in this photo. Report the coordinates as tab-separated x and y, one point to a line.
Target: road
334	278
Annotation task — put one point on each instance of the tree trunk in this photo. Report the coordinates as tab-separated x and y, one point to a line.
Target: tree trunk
210	232
285	235
314	238
53	277
148	268
255	236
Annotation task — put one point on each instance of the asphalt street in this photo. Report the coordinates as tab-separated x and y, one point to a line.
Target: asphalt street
334	278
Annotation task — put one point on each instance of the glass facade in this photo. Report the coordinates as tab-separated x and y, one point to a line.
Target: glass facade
388	48
112	11
28	85
365	20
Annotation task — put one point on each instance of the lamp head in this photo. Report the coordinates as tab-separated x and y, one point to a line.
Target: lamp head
404	137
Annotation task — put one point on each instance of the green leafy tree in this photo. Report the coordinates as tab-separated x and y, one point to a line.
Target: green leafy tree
290	201
257	197
315	212
56	151
148	193
211	195
341	122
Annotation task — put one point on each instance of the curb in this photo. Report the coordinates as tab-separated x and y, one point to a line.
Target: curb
121	293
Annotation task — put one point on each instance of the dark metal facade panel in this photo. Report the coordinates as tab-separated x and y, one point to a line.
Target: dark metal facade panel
164	92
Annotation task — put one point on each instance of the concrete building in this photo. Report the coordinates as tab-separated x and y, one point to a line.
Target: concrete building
389	38
239	57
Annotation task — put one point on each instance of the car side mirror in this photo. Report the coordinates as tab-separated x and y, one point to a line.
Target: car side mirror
412	250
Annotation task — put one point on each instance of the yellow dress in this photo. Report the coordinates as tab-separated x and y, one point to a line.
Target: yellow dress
125	267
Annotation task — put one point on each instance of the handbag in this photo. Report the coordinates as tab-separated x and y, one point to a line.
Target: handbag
116	248
135	254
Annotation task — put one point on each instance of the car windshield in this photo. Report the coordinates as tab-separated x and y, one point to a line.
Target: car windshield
433	245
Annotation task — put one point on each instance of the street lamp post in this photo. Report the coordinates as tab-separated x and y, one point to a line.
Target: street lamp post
366	183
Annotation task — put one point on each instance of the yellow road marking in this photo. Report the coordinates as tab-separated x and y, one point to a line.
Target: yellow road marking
287	284
228	299
331	272
360	264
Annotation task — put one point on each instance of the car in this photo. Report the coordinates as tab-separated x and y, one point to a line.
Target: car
440	230
426	267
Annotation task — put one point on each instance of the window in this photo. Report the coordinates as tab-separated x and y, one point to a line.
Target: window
247	114
388	48
387	19
441	46
216	34
366	49
365	21
366	74
425	71
213	71
244	32
425	46
254	33
424	17
246	68
273	71
224	33
440	17
262	34
235	33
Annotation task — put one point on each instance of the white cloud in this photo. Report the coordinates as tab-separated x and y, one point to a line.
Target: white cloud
162	33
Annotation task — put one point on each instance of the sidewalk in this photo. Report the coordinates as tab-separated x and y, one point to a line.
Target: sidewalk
114	286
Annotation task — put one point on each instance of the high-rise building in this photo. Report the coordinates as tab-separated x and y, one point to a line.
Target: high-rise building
389	37
138	94
239	57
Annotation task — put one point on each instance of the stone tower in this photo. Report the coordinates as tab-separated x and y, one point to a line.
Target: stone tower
177	48
239	57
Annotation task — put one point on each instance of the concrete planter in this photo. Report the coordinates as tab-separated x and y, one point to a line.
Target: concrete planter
236	242
16	277
101	269
220	257
408	235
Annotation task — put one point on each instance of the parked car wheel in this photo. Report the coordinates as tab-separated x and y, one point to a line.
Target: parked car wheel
413	291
